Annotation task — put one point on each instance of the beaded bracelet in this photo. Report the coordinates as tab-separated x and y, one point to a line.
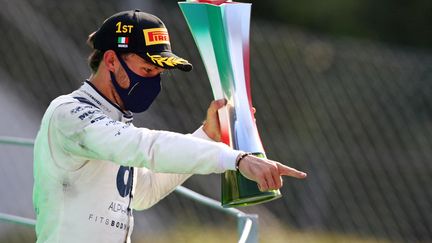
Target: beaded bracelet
239	158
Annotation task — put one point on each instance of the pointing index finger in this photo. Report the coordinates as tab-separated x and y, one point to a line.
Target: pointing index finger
288	171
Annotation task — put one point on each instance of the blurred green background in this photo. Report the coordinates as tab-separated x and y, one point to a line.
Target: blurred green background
400	22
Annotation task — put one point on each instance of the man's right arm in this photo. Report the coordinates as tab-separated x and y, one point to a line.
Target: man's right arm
84	131
88	133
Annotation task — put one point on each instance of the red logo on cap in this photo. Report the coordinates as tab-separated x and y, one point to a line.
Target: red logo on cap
156	36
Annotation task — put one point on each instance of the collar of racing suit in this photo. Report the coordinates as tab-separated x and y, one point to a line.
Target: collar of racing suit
89	92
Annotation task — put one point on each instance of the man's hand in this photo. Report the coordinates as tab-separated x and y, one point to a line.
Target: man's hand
211	125
267	173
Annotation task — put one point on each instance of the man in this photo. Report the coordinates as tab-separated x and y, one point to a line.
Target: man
92	166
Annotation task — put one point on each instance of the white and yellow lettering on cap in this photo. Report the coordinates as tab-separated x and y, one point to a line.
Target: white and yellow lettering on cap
123	28
166	61
156	36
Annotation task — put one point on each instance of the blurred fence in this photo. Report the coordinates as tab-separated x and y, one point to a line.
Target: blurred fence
356	115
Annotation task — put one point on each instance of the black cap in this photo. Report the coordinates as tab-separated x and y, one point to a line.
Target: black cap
141	33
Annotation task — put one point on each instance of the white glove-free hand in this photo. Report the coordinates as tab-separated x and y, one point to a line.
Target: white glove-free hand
267	173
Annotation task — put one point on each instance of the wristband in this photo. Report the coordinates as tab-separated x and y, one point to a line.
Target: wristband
239	158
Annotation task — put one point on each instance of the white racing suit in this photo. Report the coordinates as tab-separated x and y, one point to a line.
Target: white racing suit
92	167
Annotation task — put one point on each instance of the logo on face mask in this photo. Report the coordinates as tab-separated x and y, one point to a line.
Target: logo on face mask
141	92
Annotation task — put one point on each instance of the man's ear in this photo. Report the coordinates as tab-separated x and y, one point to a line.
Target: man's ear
110	60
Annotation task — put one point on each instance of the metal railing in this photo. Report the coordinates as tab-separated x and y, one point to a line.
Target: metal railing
247	224
8	218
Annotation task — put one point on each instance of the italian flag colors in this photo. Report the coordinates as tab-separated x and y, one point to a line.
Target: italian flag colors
123	40
221	33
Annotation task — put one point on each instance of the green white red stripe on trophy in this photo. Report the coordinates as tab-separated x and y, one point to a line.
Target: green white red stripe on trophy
221	32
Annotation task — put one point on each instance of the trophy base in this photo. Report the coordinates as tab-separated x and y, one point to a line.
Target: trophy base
238	191
252	200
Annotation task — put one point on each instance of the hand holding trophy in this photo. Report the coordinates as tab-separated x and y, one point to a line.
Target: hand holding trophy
221	32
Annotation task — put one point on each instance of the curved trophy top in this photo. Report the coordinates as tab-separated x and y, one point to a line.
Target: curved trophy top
215	2
222	37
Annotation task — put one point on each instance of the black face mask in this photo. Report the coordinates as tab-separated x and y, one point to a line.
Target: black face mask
142	91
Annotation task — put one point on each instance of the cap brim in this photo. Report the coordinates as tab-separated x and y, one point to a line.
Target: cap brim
167	60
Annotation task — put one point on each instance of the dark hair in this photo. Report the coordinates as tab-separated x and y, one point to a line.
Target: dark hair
95	56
